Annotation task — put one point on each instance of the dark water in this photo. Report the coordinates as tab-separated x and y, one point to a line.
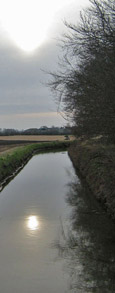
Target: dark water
54	237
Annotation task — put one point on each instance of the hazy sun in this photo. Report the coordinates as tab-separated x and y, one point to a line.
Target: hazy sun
33	223
27	21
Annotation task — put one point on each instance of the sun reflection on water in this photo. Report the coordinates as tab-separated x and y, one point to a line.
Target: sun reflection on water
33	223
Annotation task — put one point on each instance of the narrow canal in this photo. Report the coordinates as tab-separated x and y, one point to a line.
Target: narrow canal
54	237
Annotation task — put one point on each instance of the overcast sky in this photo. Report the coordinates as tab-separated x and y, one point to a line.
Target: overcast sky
25	50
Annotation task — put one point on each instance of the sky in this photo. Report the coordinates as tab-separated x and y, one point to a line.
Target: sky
29	33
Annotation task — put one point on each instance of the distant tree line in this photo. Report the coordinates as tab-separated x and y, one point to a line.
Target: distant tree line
44	130
85	84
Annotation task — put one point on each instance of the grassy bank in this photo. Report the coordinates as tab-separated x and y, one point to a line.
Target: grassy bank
12	162
96	164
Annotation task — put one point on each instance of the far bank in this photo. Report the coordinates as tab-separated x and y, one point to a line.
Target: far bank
95	163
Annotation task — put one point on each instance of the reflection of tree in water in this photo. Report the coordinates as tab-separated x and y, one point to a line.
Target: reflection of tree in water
88	244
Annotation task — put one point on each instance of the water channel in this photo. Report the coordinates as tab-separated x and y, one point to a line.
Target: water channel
54	237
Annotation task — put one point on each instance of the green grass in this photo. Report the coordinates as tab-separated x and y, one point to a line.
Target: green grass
10	162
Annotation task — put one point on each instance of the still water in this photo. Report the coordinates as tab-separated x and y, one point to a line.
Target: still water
54	237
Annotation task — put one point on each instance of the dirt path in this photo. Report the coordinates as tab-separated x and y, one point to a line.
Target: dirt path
8	149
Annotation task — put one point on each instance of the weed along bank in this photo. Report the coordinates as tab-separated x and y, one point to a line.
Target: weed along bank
95	163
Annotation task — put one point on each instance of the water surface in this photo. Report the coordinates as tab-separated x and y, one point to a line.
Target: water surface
54	236
31	208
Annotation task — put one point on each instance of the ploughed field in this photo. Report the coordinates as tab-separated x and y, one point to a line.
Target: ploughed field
7	143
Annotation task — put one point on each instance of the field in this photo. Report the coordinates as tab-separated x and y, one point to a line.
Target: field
7	143
35	137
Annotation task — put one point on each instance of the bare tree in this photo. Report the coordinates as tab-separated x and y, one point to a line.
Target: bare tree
85	84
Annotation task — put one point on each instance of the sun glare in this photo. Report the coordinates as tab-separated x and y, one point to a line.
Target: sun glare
27	21
33	223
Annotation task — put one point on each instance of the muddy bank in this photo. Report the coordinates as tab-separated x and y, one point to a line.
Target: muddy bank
12	163
96	164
